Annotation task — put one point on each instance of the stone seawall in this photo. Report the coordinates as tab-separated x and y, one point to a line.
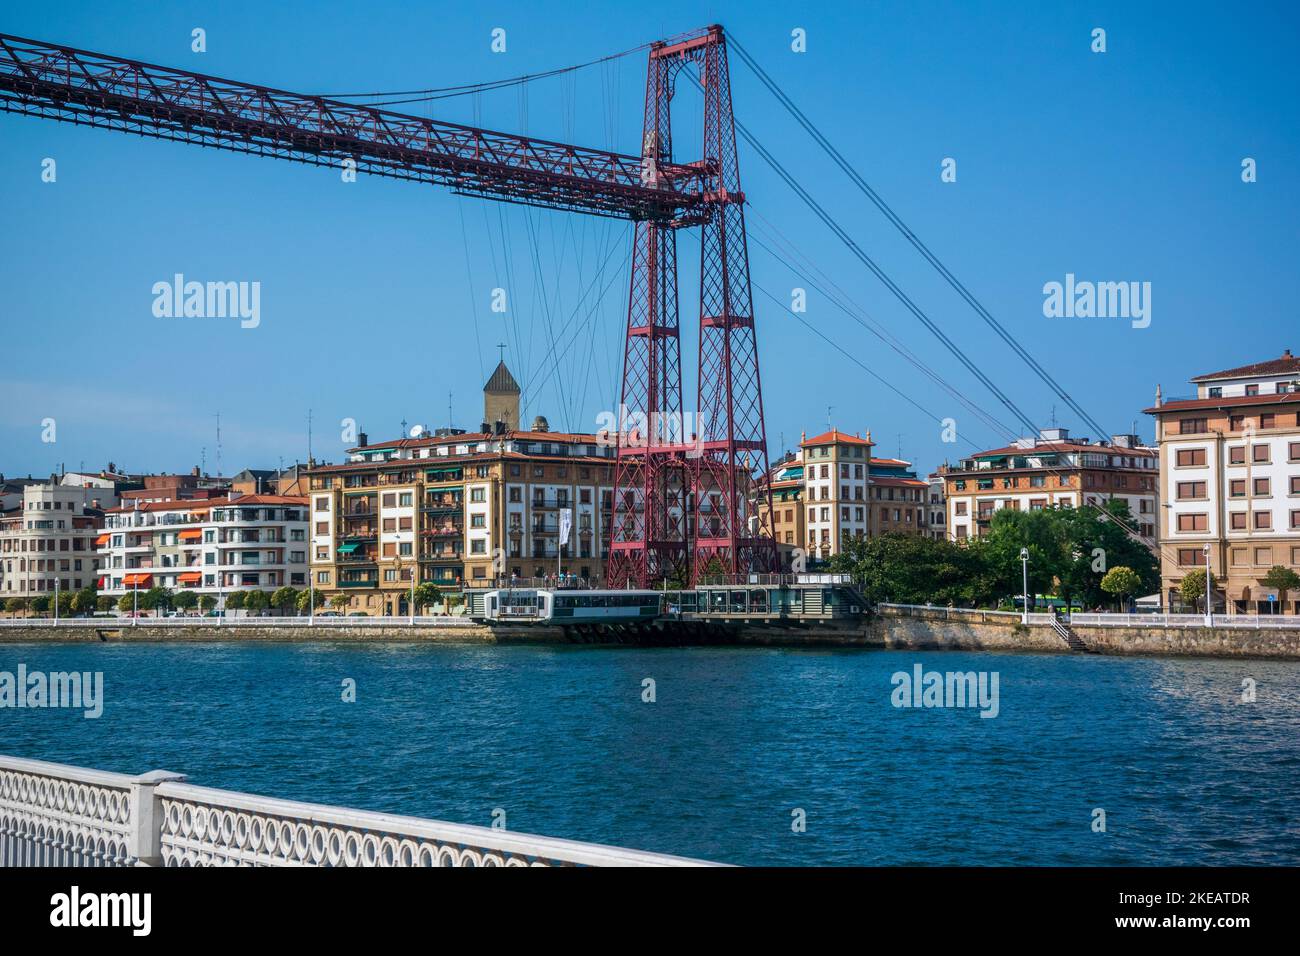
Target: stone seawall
890	629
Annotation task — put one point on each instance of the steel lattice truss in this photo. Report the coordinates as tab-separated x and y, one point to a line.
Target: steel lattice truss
76	86
685	503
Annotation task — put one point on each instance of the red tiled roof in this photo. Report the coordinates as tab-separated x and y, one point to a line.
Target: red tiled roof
1288	363
1232	401
470	438
835	436
895	462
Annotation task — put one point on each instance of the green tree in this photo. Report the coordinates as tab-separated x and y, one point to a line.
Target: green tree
15	604
207	602
64	601
285	599
426	595
104	603
910	569
185	600
235	600
1281	579
84	601
257	601
339	601
40	604
1122	582
157	598
126	603
1192	587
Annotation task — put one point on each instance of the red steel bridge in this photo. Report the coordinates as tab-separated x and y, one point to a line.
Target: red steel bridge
682	500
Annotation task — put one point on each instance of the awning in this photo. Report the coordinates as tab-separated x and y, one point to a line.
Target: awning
138	580
190	577
193	534
348	548
101	541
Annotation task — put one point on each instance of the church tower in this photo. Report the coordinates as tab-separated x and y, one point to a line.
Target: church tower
501	399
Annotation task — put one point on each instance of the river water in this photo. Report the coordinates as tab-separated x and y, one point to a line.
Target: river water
738	748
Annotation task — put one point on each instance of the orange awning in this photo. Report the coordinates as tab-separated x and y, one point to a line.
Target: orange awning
194	534
101	541
190	577
138	580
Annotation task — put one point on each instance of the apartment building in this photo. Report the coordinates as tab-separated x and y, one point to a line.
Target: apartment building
788	527
194	486
209	545
898	499
836	474
1052	470
48	533
466	509
1230	474
937	517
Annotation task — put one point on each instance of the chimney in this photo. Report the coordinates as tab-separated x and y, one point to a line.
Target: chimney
194	472
1158	398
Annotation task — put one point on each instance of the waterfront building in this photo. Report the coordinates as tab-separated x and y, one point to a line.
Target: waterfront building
937	509
1052	470
898	502
194	486
836	467
788	525
209	545
467	508
1230	474
48	533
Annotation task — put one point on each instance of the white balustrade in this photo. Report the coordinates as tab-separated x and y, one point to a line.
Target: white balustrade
59	815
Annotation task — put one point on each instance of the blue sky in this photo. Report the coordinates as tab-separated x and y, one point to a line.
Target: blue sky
1122	166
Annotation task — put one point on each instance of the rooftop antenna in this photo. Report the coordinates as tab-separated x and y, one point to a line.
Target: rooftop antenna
450	424
403	431
828	415
218	444
309	434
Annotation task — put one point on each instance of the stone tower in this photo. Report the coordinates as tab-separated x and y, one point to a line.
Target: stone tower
501	399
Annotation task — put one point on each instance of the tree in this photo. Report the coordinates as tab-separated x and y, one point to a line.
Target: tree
126	603
1122	582
15	604
40	604
305	599
235	600
207	602
64	602
1281	579
285	599
339	601
157	598
426	594
910	569
104	603
256	602
1192	587
185	600
84	601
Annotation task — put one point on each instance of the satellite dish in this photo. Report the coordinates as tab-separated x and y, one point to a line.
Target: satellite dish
417	431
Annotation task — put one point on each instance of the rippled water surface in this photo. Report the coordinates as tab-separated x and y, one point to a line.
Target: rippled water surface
736	740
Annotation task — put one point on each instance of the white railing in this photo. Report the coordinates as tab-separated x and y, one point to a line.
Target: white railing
1248	621
57	815
964	613
116	622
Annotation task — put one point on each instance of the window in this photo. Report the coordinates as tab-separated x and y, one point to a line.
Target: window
1295	521
1237	455
1237	521
1191	489
1259	454
1192	426
406	499
1263	557
390	500
1252	389
1192	522
322	527
1190	557
478	521
1262	488
1268	420
1190	457
478	546
390	549
478	495
1216	391
1263	520
1293	451
405	524
322	504
1237	488
1236	422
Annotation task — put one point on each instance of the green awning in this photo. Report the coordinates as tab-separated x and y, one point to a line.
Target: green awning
348	548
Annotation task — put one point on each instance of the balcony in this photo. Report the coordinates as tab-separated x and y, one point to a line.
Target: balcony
360	583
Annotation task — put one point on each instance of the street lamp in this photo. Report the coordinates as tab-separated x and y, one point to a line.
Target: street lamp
1024	571
1209	591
